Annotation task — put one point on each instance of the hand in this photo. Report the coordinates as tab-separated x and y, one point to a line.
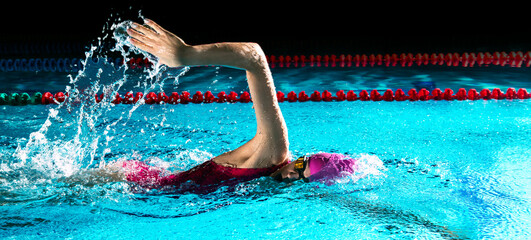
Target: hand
156	40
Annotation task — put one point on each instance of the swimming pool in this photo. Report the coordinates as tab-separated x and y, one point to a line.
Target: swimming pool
431	169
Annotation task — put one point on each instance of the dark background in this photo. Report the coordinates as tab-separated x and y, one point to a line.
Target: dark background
283	27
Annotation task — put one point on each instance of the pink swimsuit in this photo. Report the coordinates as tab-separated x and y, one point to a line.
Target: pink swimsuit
203	178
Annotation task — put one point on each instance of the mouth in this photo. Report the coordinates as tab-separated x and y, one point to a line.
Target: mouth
277	176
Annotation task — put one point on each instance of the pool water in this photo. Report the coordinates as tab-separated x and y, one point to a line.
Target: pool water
430	170
453	170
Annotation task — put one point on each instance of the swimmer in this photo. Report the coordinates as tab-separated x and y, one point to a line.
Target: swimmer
266	154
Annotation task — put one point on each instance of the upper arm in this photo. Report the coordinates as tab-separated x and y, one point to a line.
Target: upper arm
249	56
269	118
271	140
271	131
270	145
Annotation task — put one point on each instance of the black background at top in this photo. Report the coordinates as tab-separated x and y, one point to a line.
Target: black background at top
287	27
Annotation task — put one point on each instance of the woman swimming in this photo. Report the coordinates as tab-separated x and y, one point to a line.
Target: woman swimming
266	154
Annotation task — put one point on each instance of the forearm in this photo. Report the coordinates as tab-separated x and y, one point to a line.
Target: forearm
248	56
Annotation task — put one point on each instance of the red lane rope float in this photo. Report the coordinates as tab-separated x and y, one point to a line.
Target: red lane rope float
513	59
316	96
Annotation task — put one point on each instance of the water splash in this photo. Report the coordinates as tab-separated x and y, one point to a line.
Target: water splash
78	133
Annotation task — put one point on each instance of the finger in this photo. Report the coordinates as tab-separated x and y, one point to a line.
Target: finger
147	31
142	46
154	26
138	36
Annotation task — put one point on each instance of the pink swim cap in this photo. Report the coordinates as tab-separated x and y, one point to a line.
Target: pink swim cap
325	167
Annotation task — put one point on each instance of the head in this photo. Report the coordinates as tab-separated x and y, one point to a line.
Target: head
322	167
293	171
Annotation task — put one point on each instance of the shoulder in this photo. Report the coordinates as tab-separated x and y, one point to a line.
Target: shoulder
267	160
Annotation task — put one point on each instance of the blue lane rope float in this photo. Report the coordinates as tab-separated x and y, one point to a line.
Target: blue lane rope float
185	97
512	59
41	64
42	48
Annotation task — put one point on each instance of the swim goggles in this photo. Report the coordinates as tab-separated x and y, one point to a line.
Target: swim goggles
300	166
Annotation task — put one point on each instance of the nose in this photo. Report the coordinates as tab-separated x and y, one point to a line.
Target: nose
289	178
292	175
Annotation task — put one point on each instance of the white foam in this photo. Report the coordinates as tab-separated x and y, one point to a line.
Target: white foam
367	166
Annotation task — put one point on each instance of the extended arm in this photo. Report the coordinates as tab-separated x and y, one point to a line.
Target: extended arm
270	144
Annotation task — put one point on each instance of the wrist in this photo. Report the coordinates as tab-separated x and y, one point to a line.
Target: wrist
183	55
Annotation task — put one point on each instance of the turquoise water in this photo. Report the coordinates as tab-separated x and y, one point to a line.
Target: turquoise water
451	170
430	170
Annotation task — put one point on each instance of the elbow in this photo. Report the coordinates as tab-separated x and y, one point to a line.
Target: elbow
255	55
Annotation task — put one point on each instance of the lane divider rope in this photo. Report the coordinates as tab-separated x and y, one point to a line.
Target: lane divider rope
185	97
513	59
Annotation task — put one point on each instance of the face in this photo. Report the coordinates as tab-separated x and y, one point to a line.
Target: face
288	174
